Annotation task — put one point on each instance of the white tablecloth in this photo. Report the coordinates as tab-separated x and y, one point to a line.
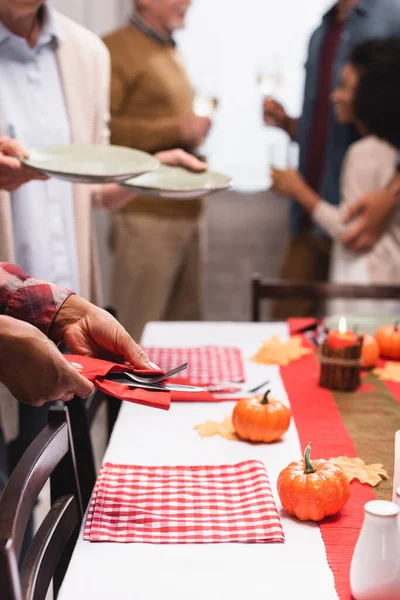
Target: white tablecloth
297	569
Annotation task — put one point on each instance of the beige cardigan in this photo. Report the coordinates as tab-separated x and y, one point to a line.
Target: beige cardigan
84	65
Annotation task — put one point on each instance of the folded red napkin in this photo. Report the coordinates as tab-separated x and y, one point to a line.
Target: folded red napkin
96	369
207	364
186	504
297	324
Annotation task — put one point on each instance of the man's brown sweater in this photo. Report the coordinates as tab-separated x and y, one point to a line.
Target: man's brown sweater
150	93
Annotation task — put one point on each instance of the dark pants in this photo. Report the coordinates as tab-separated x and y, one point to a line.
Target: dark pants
306	258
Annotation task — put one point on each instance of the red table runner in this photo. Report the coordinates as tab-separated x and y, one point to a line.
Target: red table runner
318	420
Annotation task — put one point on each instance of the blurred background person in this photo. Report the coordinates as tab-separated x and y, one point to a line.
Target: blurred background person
324	141
55	90
368	96
156	243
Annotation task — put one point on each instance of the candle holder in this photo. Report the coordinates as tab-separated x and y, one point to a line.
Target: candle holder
340	367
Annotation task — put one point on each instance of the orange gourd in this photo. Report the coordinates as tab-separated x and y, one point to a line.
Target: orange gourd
369	352
261	419
311	491
388	338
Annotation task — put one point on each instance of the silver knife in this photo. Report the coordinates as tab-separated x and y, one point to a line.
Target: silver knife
157	387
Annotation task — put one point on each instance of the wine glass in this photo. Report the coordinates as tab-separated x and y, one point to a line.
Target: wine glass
269	75
205	106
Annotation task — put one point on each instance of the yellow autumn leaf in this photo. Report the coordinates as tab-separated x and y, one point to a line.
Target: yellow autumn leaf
355	468
224	429
390	372
276	352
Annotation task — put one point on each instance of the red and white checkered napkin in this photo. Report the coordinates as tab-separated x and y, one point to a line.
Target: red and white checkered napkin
207	364
183	505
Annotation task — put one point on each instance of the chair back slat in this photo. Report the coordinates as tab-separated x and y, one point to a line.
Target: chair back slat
50	456
27	481
58	531
316	290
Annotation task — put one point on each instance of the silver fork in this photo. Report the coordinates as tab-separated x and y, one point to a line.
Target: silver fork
156	378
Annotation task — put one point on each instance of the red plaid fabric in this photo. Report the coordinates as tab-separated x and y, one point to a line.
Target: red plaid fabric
207	364
186	504
29	299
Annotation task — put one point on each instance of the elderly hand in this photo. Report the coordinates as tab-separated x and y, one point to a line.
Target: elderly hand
182	159
12	173
91	331
372	215
33	369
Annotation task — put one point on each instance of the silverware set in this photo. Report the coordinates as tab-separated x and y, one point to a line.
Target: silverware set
158	383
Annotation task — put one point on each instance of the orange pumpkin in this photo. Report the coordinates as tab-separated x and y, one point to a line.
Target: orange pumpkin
260	419
388	338
369	352
311	491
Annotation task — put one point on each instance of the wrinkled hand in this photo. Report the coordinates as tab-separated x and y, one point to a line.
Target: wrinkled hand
12	173
194	129
91	331
288	182
33	369
371	216
182	159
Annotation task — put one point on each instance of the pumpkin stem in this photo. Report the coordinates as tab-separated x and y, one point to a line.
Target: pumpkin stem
265	398
309	467
396	325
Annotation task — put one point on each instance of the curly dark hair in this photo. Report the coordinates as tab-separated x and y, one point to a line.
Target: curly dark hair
377	98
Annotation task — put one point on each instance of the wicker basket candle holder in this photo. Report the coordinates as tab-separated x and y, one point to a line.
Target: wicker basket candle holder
341	360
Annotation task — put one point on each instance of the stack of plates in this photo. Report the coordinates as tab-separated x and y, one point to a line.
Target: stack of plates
91	163
178	183
137	170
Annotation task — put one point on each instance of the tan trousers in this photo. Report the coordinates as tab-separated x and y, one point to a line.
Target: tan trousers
306	258
156	273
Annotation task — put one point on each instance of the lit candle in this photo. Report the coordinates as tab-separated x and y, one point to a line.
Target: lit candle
342	337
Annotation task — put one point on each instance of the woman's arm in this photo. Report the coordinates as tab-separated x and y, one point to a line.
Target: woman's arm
327	216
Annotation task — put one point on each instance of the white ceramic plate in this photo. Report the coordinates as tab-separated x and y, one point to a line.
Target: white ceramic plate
179	183
90	163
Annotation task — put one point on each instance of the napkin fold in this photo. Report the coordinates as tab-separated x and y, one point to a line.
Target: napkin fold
183	504
96	370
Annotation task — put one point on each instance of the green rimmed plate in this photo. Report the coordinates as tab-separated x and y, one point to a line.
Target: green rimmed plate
363	323
179	183
90	163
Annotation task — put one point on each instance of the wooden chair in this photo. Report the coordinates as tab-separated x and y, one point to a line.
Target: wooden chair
51	455
271	289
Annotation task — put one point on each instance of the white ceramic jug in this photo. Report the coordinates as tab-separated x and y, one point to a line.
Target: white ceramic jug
375	567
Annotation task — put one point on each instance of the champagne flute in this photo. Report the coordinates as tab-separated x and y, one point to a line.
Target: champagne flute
205	106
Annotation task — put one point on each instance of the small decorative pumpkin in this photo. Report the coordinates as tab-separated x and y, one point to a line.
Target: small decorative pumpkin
311	491
388	338
260	418
369	352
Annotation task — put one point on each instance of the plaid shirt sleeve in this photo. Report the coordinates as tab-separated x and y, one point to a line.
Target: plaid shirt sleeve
29	299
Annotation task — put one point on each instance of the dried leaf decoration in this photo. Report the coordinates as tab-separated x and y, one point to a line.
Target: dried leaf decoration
390	372
275	352
224	429
355	468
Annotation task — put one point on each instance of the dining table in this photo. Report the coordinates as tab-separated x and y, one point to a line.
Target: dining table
313	562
